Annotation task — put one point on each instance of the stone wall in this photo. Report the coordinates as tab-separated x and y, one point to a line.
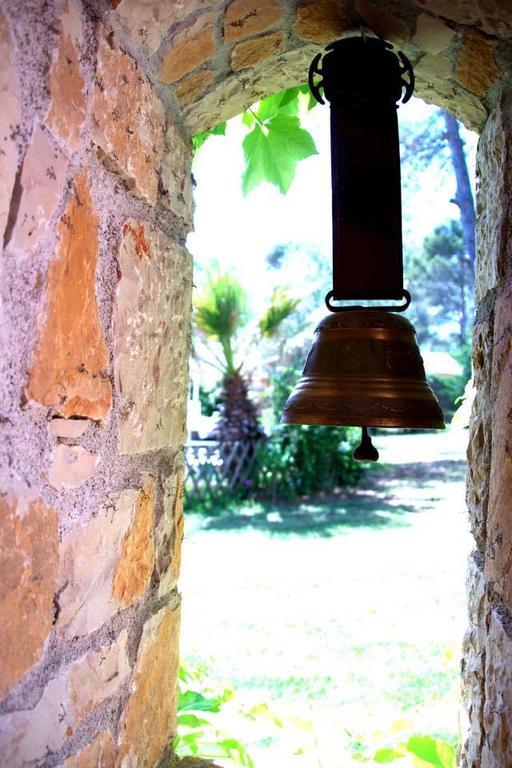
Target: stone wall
94	328
98	103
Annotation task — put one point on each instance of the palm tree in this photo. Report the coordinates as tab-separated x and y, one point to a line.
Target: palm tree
221	313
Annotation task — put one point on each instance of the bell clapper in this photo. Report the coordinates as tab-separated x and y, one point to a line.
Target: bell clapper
366	451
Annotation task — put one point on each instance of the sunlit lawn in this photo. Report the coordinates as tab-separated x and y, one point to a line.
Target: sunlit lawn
343	615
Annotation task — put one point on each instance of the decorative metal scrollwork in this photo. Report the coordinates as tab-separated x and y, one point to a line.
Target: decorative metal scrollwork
315	70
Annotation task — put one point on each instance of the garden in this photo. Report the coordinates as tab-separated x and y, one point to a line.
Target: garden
324	601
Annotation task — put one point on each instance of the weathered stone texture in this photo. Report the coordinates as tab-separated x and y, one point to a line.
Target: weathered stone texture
492	204
69	428
432	35
71	467
138	554
499	522
245	18
322	21
128	120
151	339
66	113
90	559
9	118
497	722
101	753
473	664
97	676
189	49
29	547
70	367
148	722
42	183
27	736
147	22
169	532
383	22
177	175
252	52
476	68
192	87
493	15
479	444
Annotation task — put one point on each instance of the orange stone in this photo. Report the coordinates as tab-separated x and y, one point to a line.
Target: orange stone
67	101
149	720
383	22
138	555
101	753
189	49
29	549
128	120
169	533
245	18
148	22
251	52
476	67
70	367
9	119
321	21
192	87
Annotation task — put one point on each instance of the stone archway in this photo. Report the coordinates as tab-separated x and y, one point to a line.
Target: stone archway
99	100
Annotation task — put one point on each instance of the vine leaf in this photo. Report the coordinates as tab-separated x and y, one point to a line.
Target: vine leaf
273	148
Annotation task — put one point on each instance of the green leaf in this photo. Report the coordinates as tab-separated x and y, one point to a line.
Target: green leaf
426	748
191	721
386	755
195	701
272	153
283	103
199	139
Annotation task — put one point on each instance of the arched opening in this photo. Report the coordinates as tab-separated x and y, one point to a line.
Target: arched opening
100	101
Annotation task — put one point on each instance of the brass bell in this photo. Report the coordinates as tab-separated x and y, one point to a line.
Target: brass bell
364	369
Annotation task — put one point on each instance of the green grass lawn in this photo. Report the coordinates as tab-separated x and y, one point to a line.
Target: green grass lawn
343	615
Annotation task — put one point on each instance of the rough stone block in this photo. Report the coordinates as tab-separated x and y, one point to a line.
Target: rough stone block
148	721
476	67
26	737
66	113
70	429
497	725
148	22
70	367
128	120
499	520
138	553
9	119
71	467
245	18
169	532
432	35
480	432
463	11
492	201
101	753
192	87
91	557
252	52
322	21
29	544
189	49
151	325
177	175
42	183
383	22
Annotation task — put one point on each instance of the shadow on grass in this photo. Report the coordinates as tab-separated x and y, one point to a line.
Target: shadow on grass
372	505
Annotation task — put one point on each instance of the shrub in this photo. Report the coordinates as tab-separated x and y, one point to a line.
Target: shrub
300	460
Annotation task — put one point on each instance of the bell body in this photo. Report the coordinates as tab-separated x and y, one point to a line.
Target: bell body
364	369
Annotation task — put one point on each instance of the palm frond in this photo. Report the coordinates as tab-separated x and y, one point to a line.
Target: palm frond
281	307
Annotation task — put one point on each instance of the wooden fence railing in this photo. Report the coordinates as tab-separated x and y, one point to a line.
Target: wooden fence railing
213	467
